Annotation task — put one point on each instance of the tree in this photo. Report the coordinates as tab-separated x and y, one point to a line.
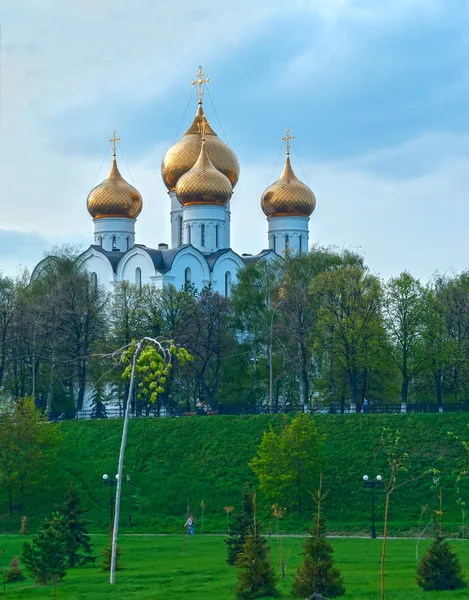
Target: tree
256	574
239	527
27	448
439	568
349	329
287	463
14	572
46	556
404	309
78	542
318	573
98	403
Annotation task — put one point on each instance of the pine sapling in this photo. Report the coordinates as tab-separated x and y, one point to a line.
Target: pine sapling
256	575
318	574
439	568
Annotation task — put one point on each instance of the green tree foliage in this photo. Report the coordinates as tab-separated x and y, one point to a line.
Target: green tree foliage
349	329
256	575
98	403
45	556
78	541
287	463
239	527
27	449
440	569
318	574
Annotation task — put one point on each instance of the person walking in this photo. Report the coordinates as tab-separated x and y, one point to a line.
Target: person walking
190	524
365	405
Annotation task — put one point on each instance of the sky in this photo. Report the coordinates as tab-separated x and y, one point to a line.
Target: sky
375	92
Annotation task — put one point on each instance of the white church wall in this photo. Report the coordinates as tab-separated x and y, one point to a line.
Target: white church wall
288	232
205	227
95	262
138	268
188	265
225	271
114	233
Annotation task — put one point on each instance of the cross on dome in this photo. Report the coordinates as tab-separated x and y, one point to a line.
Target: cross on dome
287	139
113	140
199	82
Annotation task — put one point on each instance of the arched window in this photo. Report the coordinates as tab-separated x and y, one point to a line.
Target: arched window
100	240
274	243
301	244
180	230
114	242
138	278
217	235
188	234
187	275
287	242
202	235
227	284
128	242
94	280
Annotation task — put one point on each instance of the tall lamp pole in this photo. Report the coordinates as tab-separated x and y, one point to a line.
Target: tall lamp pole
271	375
111	483
373	483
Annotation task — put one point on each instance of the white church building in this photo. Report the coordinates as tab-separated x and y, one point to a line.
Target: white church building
200	172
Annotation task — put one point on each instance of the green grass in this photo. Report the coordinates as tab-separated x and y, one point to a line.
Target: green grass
159	568
177	461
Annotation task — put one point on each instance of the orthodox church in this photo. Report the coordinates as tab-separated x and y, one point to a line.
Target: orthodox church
200	172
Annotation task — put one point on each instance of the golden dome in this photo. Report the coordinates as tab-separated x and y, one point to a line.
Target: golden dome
181	157
114	197
288	196
203	184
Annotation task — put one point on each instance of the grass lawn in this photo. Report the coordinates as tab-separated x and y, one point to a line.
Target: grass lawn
158	568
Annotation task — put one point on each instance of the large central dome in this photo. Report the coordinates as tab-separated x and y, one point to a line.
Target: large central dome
183	155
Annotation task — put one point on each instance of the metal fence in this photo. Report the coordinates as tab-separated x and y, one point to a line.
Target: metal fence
114	411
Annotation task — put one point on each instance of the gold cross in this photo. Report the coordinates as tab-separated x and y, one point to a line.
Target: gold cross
199	82
287	139
114	139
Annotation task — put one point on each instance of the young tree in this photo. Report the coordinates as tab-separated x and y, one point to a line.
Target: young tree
45	556
256	574
440	569
239	528
318	574
78	542
287	463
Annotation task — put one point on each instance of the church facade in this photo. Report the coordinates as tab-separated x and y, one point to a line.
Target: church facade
200	172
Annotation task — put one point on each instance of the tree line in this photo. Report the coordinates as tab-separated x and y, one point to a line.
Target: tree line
332	331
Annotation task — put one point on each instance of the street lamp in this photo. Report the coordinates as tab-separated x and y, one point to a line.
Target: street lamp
372	483
435	483
111	483
271	377
130	506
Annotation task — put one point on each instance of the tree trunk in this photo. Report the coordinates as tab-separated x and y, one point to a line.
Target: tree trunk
385	537
405	387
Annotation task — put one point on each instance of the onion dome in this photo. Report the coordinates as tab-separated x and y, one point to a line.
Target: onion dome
114	197
288	196
203	184
181	157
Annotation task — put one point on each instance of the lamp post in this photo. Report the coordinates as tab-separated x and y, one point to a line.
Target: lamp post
129	498
435	483
372	483
111	483
271	376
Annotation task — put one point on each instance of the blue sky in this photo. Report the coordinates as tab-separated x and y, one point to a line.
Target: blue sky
376	94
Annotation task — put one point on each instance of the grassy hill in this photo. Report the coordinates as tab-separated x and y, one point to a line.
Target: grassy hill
177	461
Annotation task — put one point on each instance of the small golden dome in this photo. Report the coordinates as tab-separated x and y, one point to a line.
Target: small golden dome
203	184
288	196
114	197
181	157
